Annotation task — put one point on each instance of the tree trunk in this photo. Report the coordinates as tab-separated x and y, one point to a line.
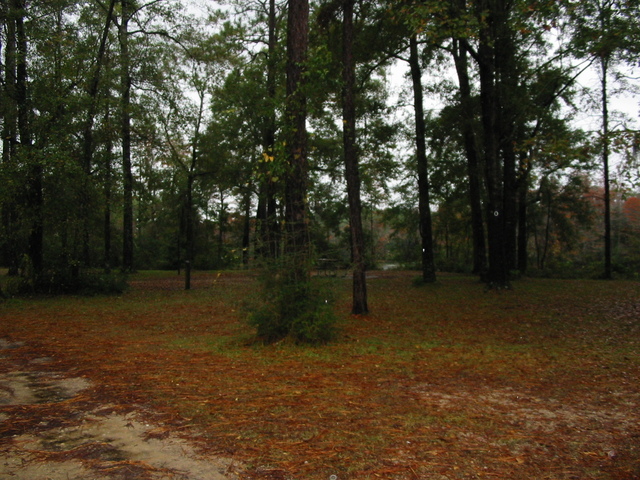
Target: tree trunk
604	65
191	174
497	273
189	240
222	220
523	235
267	211
360	306
508	109
547	232
127	174
108	173
510	206
8	79
93	93
297	235
471	151
426	233
11	254
35	198
87	155
246	227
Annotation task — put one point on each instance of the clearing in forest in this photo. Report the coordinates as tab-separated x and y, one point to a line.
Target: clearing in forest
443	381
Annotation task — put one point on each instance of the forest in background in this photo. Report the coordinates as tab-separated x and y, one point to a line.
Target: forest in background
156	134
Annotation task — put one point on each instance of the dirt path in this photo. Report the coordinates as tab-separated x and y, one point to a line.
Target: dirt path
51	429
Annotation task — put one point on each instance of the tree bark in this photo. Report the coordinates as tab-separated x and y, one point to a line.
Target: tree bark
35	196
604	65
510	205
222	221
191	175
88	147
508	122
246	227
9	109
189	237
93	93
108	172
11	252
426	231
267	227
297	237
127	174
473	163
523	234
360	305
497	272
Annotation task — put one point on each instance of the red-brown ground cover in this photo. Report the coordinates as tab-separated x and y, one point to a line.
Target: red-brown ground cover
441	381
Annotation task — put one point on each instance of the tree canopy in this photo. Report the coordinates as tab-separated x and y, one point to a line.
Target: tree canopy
427	134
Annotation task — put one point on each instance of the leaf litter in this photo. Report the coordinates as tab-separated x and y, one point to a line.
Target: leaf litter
440	382
54	427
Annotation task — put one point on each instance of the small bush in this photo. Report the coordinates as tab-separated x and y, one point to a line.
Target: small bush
17	287
301	311
57	282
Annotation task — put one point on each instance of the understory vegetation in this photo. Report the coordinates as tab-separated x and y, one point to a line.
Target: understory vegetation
300	310
444	380
64	281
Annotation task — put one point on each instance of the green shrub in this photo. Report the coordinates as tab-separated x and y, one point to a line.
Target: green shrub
17	287
299	310
66	281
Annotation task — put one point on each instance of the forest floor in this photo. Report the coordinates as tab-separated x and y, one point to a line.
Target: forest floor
445	381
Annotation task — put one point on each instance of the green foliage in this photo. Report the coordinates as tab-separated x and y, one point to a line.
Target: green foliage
604	28
298	310
66	281
208	156
574	269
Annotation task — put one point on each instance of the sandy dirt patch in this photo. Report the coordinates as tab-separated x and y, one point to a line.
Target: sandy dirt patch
46	435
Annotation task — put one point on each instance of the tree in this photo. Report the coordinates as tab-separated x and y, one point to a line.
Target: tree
88	140
292	307
190	214
9	138
297	236
108	191
604	30
561	221
451	27
267	202
151	19
358	34
494	45
259	25
34	187
360	305
428	264
467	122
82	86
125	126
